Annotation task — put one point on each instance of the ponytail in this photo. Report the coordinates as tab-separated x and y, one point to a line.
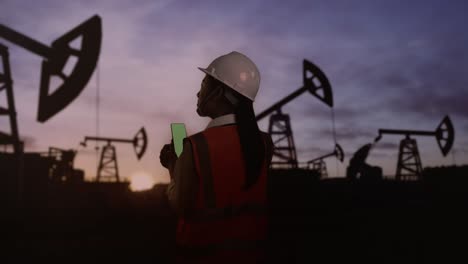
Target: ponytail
251	140
253	148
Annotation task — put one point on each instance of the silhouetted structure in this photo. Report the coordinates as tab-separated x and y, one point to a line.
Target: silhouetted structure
316	82
55	59
409	165
319	165
108	169
25	172
62	169
359	169
6	83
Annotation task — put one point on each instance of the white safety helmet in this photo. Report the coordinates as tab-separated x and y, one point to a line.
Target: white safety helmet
236	71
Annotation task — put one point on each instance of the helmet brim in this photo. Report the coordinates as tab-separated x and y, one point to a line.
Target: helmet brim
217	78
212	75
205	71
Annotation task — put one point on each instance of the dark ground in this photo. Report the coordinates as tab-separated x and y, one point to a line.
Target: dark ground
330	220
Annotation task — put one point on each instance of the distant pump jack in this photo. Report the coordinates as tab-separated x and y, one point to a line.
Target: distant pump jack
108	169
56	57
316	82
409	165
319	164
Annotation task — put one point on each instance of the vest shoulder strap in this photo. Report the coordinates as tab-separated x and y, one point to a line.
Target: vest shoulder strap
202	159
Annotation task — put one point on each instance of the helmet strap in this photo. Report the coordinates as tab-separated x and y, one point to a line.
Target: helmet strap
230	97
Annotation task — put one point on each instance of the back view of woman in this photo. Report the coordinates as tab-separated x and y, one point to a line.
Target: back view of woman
218	184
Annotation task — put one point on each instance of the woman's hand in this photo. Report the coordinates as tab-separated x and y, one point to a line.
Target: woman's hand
167	156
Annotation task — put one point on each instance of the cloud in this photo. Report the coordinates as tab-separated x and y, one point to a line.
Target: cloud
314	150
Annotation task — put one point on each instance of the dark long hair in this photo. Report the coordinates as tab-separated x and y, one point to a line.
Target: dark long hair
253	148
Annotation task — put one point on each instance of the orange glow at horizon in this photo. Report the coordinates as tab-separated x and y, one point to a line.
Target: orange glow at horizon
141	181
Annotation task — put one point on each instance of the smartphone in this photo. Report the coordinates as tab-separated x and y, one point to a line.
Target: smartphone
178	135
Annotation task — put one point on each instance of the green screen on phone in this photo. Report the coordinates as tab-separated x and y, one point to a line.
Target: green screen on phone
178	135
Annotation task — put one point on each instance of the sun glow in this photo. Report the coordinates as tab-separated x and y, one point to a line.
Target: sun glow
140	181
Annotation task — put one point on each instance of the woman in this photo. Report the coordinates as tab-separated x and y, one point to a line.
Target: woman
218	184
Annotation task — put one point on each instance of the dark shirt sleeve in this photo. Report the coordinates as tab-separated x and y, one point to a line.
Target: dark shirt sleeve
181	191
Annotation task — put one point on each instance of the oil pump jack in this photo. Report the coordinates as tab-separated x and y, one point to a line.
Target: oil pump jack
108	169
55	59
52	100
284	150
319	165
409	165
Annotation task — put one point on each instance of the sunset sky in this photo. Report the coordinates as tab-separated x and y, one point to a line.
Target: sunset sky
391	64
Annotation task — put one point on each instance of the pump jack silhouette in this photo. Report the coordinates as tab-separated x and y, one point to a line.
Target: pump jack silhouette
284	150
51	101
55	59
319	164
108	169
409	166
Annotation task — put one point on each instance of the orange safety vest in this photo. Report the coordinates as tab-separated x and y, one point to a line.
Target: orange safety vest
227	224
